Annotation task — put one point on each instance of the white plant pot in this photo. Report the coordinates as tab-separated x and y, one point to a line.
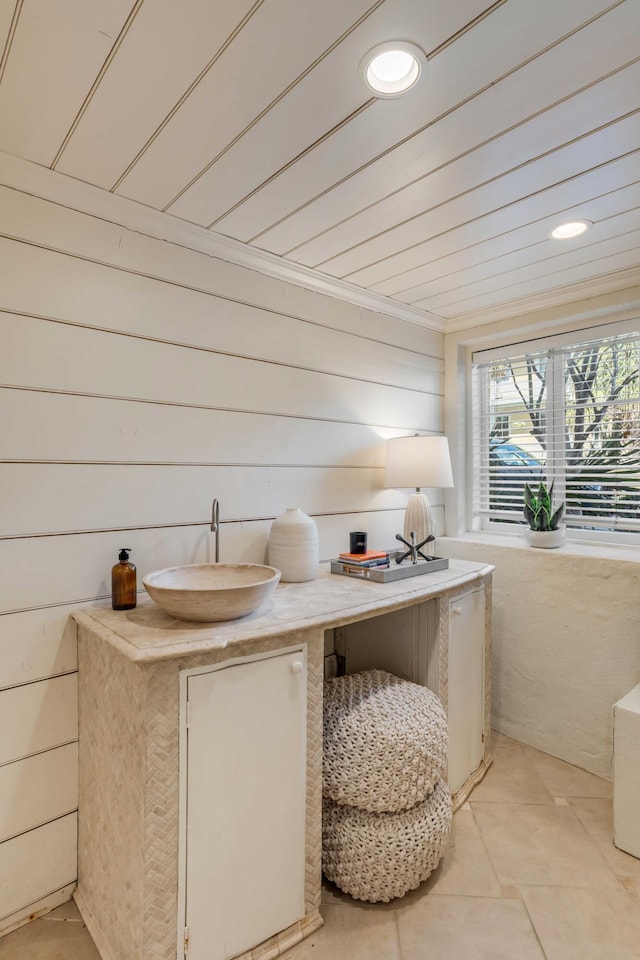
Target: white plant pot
547	539
294	547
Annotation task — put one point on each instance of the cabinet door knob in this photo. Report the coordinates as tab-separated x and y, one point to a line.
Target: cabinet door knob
457	611
296	666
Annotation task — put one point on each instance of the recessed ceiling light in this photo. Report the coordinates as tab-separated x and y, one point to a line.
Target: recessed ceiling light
566	231
392	68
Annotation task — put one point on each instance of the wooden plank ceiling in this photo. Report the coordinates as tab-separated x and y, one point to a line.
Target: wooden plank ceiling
252	120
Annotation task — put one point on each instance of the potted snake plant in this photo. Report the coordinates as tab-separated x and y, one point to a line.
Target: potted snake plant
543	521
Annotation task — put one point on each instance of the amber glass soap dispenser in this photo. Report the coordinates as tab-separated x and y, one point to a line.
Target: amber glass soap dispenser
123	582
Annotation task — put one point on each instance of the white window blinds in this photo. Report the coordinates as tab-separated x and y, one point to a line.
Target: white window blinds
568	415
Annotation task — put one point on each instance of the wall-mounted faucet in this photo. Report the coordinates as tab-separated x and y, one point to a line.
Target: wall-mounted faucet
215	527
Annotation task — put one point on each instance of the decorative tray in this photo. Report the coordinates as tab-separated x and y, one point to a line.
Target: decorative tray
394	571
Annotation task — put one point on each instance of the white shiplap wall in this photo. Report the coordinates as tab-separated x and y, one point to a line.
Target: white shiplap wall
138	380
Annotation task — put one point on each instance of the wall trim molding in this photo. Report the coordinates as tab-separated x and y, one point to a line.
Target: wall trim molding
558	298
39	181
592	311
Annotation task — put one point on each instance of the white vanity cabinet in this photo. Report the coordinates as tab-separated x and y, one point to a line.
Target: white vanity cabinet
200	753
242	811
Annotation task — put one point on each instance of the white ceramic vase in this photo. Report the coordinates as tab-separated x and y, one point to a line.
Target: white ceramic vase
545	538
293	546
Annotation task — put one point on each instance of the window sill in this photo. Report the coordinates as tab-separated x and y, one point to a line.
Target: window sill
573	548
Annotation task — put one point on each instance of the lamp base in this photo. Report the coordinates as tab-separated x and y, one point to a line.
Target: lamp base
419	520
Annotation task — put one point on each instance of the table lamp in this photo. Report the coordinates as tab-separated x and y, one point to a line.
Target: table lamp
418	462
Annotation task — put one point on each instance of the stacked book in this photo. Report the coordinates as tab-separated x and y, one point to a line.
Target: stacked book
359	562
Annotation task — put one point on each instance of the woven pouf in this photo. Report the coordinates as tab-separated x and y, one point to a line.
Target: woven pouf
380	856
384	741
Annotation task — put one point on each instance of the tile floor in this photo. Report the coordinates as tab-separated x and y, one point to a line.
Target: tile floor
531	874
59	935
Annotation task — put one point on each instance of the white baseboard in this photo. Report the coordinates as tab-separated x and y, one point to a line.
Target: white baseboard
37	909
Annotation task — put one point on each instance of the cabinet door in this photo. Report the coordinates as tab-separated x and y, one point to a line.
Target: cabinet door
246	773
466	686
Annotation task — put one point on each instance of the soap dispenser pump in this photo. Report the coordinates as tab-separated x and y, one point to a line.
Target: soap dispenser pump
123	582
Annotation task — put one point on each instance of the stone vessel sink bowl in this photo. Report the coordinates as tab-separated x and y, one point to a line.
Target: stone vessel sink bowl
210	592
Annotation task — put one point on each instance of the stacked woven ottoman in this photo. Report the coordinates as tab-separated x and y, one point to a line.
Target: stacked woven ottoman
386	809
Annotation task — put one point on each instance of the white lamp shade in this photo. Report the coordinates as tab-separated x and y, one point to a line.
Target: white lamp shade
418	462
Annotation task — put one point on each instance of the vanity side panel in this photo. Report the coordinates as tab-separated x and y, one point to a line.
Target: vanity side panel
111	852
313	859
161	793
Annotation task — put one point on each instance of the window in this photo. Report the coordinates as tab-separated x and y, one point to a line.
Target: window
500	426
568	414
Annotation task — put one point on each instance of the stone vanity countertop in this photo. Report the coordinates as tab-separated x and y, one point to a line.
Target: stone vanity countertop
147	634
